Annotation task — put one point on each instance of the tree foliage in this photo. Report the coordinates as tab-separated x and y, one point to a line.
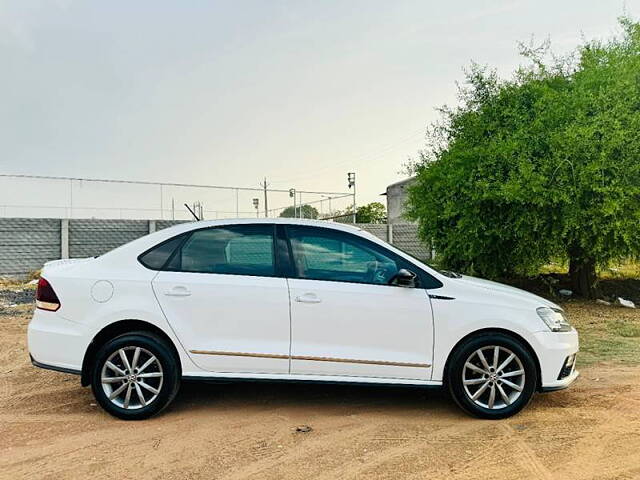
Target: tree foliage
306	211
374	212
540	166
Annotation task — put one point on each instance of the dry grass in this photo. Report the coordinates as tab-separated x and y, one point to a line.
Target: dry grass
15	284
608	334
628	269
624	270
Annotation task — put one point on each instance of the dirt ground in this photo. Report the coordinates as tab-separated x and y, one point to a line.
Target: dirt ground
50	427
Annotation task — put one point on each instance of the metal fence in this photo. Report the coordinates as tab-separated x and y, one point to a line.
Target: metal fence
27	243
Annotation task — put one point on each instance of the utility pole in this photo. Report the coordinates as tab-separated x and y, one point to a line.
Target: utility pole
197	207
300	209
256	205
70	198
328	197
351	177
266	209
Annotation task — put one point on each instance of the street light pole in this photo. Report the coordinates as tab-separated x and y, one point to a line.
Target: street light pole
266	208
351	177
292	194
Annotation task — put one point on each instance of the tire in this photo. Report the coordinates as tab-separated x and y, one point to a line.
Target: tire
467	374
135	397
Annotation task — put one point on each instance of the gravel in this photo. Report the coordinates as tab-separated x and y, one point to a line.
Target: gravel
12	298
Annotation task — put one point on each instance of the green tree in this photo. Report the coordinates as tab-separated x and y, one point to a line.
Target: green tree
541	166
374	212
308	211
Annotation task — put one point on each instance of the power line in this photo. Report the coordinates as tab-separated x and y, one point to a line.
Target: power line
313	202
168	184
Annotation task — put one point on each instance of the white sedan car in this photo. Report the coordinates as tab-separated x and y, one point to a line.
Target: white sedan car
291	300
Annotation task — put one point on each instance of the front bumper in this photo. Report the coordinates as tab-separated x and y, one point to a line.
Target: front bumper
553	349
566	382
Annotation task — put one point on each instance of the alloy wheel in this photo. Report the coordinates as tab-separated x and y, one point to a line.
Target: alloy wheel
132	377
493	377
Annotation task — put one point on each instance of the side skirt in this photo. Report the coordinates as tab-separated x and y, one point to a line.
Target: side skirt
372	382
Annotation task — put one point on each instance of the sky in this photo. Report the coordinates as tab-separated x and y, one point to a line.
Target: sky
230	92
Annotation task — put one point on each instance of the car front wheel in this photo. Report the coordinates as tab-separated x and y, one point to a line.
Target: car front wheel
135	376
492	376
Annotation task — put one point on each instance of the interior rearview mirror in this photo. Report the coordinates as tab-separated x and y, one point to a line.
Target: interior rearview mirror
404	278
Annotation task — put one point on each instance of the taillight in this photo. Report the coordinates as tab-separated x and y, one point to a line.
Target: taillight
46	298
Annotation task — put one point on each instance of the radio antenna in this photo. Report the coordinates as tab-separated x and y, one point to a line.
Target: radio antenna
192	212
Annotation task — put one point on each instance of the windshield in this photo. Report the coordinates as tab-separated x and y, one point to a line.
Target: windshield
446	273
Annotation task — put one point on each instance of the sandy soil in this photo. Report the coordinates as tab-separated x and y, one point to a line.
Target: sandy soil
50	427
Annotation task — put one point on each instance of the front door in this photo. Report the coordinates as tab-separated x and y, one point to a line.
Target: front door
346	317
221	295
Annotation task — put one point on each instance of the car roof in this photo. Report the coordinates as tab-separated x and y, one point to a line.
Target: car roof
281	221
142	244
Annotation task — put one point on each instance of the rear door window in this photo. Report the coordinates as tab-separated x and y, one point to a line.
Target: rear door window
233	250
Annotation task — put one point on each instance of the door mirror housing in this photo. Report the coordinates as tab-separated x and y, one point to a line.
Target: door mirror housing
404	278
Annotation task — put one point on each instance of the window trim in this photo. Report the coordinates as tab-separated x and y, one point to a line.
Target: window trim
157	245
284	266
190	233
421	274
284	255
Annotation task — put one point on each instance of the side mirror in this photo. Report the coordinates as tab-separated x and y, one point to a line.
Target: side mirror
404	278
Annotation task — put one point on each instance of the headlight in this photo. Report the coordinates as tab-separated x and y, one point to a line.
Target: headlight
554	319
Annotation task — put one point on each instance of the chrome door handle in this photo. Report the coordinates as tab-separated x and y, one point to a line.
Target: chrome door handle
178	292
308	298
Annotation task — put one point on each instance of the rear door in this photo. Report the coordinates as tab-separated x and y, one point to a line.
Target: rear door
346	317
221	294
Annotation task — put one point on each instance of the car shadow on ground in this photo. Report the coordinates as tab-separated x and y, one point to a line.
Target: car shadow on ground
344	397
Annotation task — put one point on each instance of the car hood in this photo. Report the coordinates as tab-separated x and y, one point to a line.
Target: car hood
512	293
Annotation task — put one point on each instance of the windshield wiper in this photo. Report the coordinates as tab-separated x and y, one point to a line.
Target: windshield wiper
450	274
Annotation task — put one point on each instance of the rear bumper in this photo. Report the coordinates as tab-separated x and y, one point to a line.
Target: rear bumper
56	343
54	368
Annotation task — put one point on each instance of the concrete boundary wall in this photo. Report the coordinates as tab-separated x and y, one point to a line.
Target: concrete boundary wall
27	243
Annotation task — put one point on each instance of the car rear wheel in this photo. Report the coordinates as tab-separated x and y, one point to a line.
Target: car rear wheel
492	376
135	376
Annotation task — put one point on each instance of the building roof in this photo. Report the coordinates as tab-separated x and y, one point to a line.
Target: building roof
400	183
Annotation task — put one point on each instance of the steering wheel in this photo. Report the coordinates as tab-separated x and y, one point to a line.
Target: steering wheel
377	273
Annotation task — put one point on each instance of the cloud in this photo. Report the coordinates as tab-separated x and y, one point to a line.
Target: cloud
19	20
